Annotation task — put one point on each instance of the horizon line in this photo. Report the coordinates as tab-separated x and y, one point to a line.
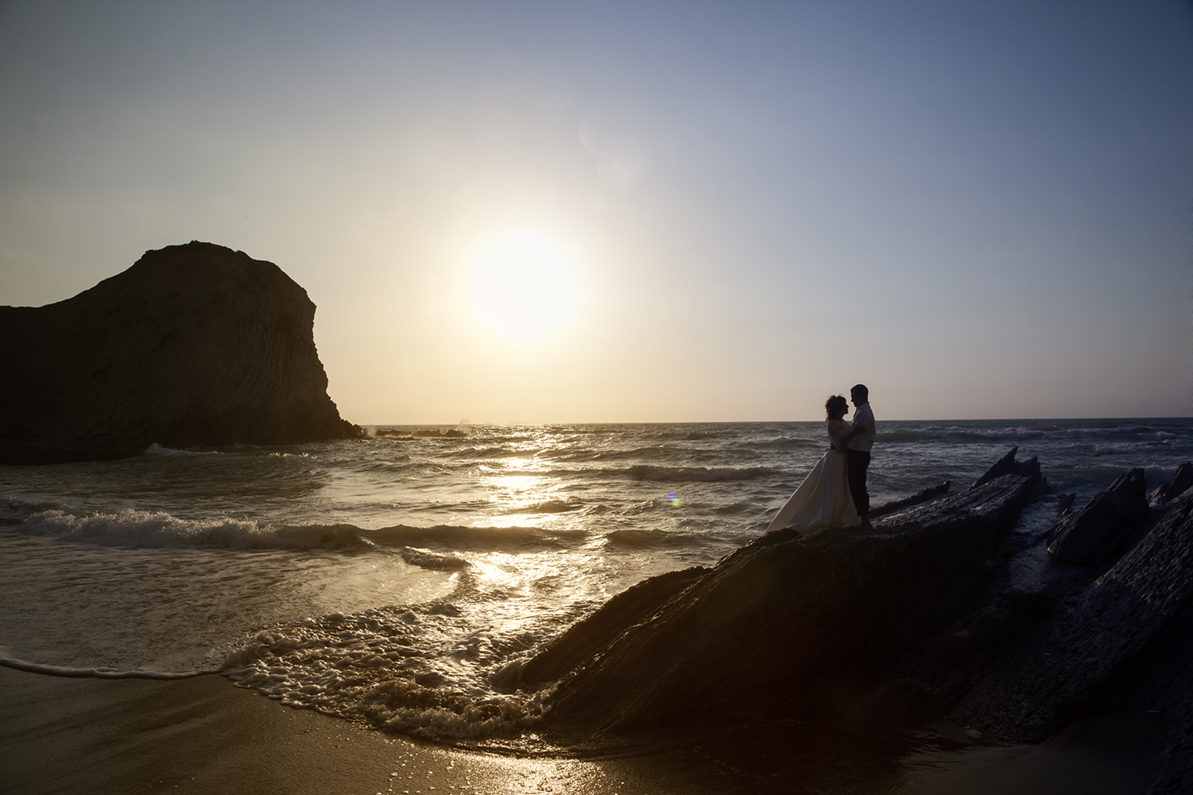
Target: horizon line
768	422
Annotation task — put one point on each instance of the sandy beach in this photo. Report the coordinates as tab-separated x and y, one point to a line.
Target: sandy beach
203	735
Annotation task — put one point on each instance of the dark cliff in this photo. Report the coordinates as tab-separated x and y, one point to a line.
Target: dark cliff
194	345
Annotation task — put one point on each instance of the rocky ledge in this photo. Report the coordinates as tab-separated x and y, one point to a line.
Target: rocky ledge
194	345
952	609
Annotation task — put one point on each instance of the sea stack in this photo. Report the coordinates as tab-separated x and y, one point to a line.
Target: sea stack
193	346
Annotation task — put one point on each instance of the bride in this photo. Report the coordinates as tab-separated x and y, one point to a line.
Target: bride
823	499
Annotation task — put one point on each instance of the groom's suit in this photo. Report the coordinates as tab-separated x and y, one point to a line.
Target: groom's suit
859	458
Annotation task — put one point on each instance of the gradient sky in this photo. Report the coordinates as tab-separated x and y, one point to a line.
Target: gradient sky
979	209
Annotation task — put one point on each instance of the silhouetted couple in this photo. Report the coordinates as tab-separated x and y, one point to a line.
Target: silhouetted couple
834	492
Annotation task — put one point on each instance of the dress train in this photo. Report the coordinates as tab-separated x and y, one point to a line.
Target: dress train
822	500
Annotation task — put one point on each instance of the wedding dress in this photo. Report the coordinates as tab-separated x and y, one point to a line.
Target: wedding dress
823	499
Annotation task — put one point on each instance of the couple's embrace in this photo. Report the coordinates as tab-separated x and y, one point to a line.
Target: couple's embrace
834	492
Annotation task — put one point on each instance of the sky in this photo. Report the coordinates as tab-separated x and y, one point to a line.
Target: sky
553	212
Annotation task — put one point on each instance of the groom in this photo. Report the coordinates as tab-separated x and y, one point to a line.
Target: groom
861	438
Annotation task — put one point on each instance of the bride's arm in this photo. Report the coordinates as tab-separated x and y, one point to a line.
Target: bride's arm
838	434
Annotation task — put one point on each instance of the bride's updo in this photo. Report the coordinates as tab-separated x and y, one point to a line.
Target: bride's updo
836	407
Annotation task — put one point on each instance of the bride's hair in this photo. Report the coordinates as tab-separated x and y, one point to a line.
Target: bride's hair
835	407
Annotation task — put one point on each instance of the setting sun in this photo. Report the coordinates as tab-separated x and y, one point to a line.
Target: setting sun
523	286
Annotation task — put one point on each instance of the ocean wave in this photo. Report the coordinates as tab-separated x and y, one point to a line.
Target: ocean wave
429	560
663	454
384	434
695	435
157	449
1158	474
160	530
438	433
939	434
735	508
1122	430
632	454
696	474
908	437
397	668
95	673
790	443
1101	471
14	511
484	539
648	539
392	463
1129	448
549	506
488	453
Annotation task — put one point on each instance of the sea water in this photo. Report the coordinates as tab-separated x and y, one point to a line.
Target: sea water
403	578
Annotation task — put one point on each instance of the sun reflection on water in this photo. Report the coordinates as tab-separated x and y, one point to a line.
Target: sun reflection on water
521	493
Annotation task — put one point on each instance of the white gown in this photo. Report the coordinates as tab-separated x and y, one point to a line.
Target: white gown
823	499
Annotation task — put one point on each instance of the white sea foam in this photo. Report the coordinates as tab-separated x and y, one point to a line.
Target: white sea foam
418	670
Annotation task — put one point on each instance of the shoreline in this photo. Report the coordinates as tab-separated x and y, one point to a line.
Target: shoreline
205	735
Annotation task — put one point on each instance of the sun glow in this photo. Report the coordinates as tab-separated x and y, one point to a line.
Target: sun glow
524	287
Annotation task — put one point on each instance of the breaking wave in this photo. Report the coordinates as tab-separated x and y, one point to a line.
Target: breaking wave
414	670
160	530
485	539
650	539
696	474
550	506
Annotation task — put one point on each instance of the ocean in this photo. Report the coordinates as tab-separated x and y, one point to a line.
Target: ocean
401	579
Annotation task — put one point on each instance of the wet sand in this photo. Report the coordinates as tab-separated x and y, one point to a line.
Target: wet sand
203	735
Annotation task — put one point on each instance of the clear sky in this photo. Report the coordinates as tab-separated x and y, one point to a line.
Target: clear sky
640	211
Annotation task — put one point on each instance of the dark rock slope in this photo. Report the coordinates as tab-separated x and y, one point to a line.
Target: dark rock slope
194	345
780	607
950	610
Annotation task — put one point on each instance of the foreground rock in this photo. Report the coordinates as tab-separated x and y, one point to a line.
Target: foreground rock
194	345
783	606
1097	630
1098	530
945	611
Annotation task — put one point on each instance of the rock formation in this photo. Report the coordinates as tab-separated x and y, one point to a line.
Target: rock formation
777	609
194	345
944	611
1098	530
1179	484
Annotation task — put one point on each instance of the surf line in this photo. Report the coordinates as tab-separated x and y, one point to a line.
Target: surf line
96	673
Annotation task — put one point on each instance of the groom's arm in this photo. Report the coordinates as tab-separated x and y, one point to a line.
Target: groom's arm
857	429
